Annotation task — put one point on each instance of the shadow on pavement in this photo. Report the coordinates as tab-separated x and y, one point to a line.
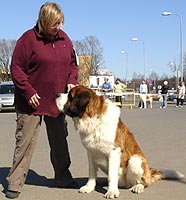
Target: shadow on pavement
32	179
35	179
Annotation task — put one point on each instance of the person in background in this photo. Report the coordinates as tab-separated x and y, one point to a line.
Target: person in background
143	90
118	88
106	86
164	92
181	94
43	65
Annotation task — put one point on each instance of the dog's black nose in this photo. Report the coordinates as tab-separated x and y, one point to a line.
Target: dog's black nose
58	95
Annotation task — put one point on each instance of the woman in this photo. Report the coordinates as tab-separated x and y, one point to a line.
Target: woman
143	92
43	65
181	94
118	88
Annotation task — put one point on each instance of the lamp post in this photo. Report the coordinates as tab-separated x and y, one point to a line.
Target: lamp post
124	52
144	52
181	42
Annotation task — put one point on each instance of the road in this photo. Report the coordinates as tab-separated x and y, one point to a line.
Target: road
161	134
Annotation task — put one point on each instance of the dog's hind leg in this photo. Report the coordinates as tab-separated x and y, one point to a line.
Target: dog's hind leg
113	174
134	174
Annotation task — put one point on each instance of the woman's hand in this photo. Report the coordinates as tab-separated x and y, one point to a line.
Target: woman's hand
70	86
34	101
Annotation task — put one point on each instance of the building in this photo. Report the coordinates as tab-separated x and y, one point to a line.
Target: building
84	69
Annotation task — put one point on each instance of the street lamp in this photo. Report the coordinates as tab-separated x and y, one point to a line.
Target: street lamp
138	39
181	43
124	52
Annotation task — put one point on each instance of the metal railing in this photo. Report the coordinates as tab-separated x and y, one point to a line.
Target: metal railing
124	98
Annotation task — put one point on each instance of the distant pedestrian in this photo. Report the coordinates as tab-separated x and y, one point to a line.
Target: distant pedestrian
143	91
118	88
181	94
106	87
164	92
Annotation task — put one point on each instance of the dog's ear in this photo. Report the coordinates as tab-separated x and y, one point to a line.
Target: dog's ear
84	98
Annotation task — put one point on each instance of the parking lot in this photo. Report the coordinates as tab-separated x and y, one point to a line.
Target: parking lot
161	134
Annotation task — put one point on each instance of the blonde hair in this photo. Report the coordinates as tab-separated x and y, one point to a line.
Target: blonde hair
49	14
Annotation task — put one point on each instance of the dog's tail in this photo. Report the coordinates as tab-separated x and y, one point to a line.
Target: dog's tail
165	174
172	174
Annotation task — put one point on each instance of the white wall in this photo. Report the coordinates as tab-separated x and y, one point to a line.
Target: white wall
97	81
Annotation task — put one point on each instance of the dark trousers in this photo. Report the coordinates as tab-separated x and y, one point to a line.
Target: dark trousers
141	104
180	101
59	154
119	99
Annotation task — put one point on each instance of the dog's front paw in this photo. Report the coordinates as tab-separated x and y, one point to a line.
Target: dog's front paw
86	189
139	188
111	194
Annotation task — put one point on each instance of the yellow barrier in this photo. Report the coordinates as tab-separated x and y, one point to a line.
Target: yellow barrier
127	97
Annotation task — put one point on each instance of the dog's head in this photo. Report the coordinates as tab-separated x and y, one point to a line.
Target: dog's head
81	101
74	105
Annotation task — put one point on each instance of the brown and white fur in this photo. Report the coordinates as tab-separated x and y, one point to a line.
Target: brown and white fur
146	98
109	143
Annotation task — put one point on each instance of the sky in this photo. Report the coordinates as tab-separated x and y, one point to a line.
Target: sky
113	23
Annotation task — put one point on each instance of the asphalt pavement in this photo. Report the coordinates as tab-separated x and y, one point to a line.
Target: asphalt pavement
161	134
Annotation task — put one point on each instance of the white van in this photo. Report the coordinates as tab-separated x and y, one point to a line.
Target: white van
7	96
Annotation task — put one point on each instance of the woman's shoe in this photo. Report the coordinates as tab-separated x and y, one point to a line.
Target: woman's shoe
12	194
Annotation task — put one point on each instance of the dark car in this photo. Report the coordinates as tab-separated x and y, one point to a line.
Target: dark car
173	97
7	96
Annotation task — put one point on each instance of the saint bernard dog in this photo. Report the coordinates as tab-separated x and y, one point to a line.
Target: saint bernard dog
110	145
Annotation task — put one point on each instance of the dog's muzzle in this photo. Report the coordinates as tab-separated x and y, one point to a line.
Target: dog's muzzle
61	100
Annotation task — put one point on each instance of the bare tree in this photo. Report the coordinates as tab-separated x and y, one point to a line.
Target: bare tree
173	66
6	50
153	75
164	77
92	47
95	50
137	76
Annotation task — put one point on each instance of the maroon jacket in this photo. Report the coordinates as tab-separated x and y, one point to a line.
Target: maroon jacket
43	66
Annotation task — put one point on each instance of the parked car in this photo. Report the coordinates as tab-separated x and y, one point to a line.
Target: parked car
173	97
7	96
